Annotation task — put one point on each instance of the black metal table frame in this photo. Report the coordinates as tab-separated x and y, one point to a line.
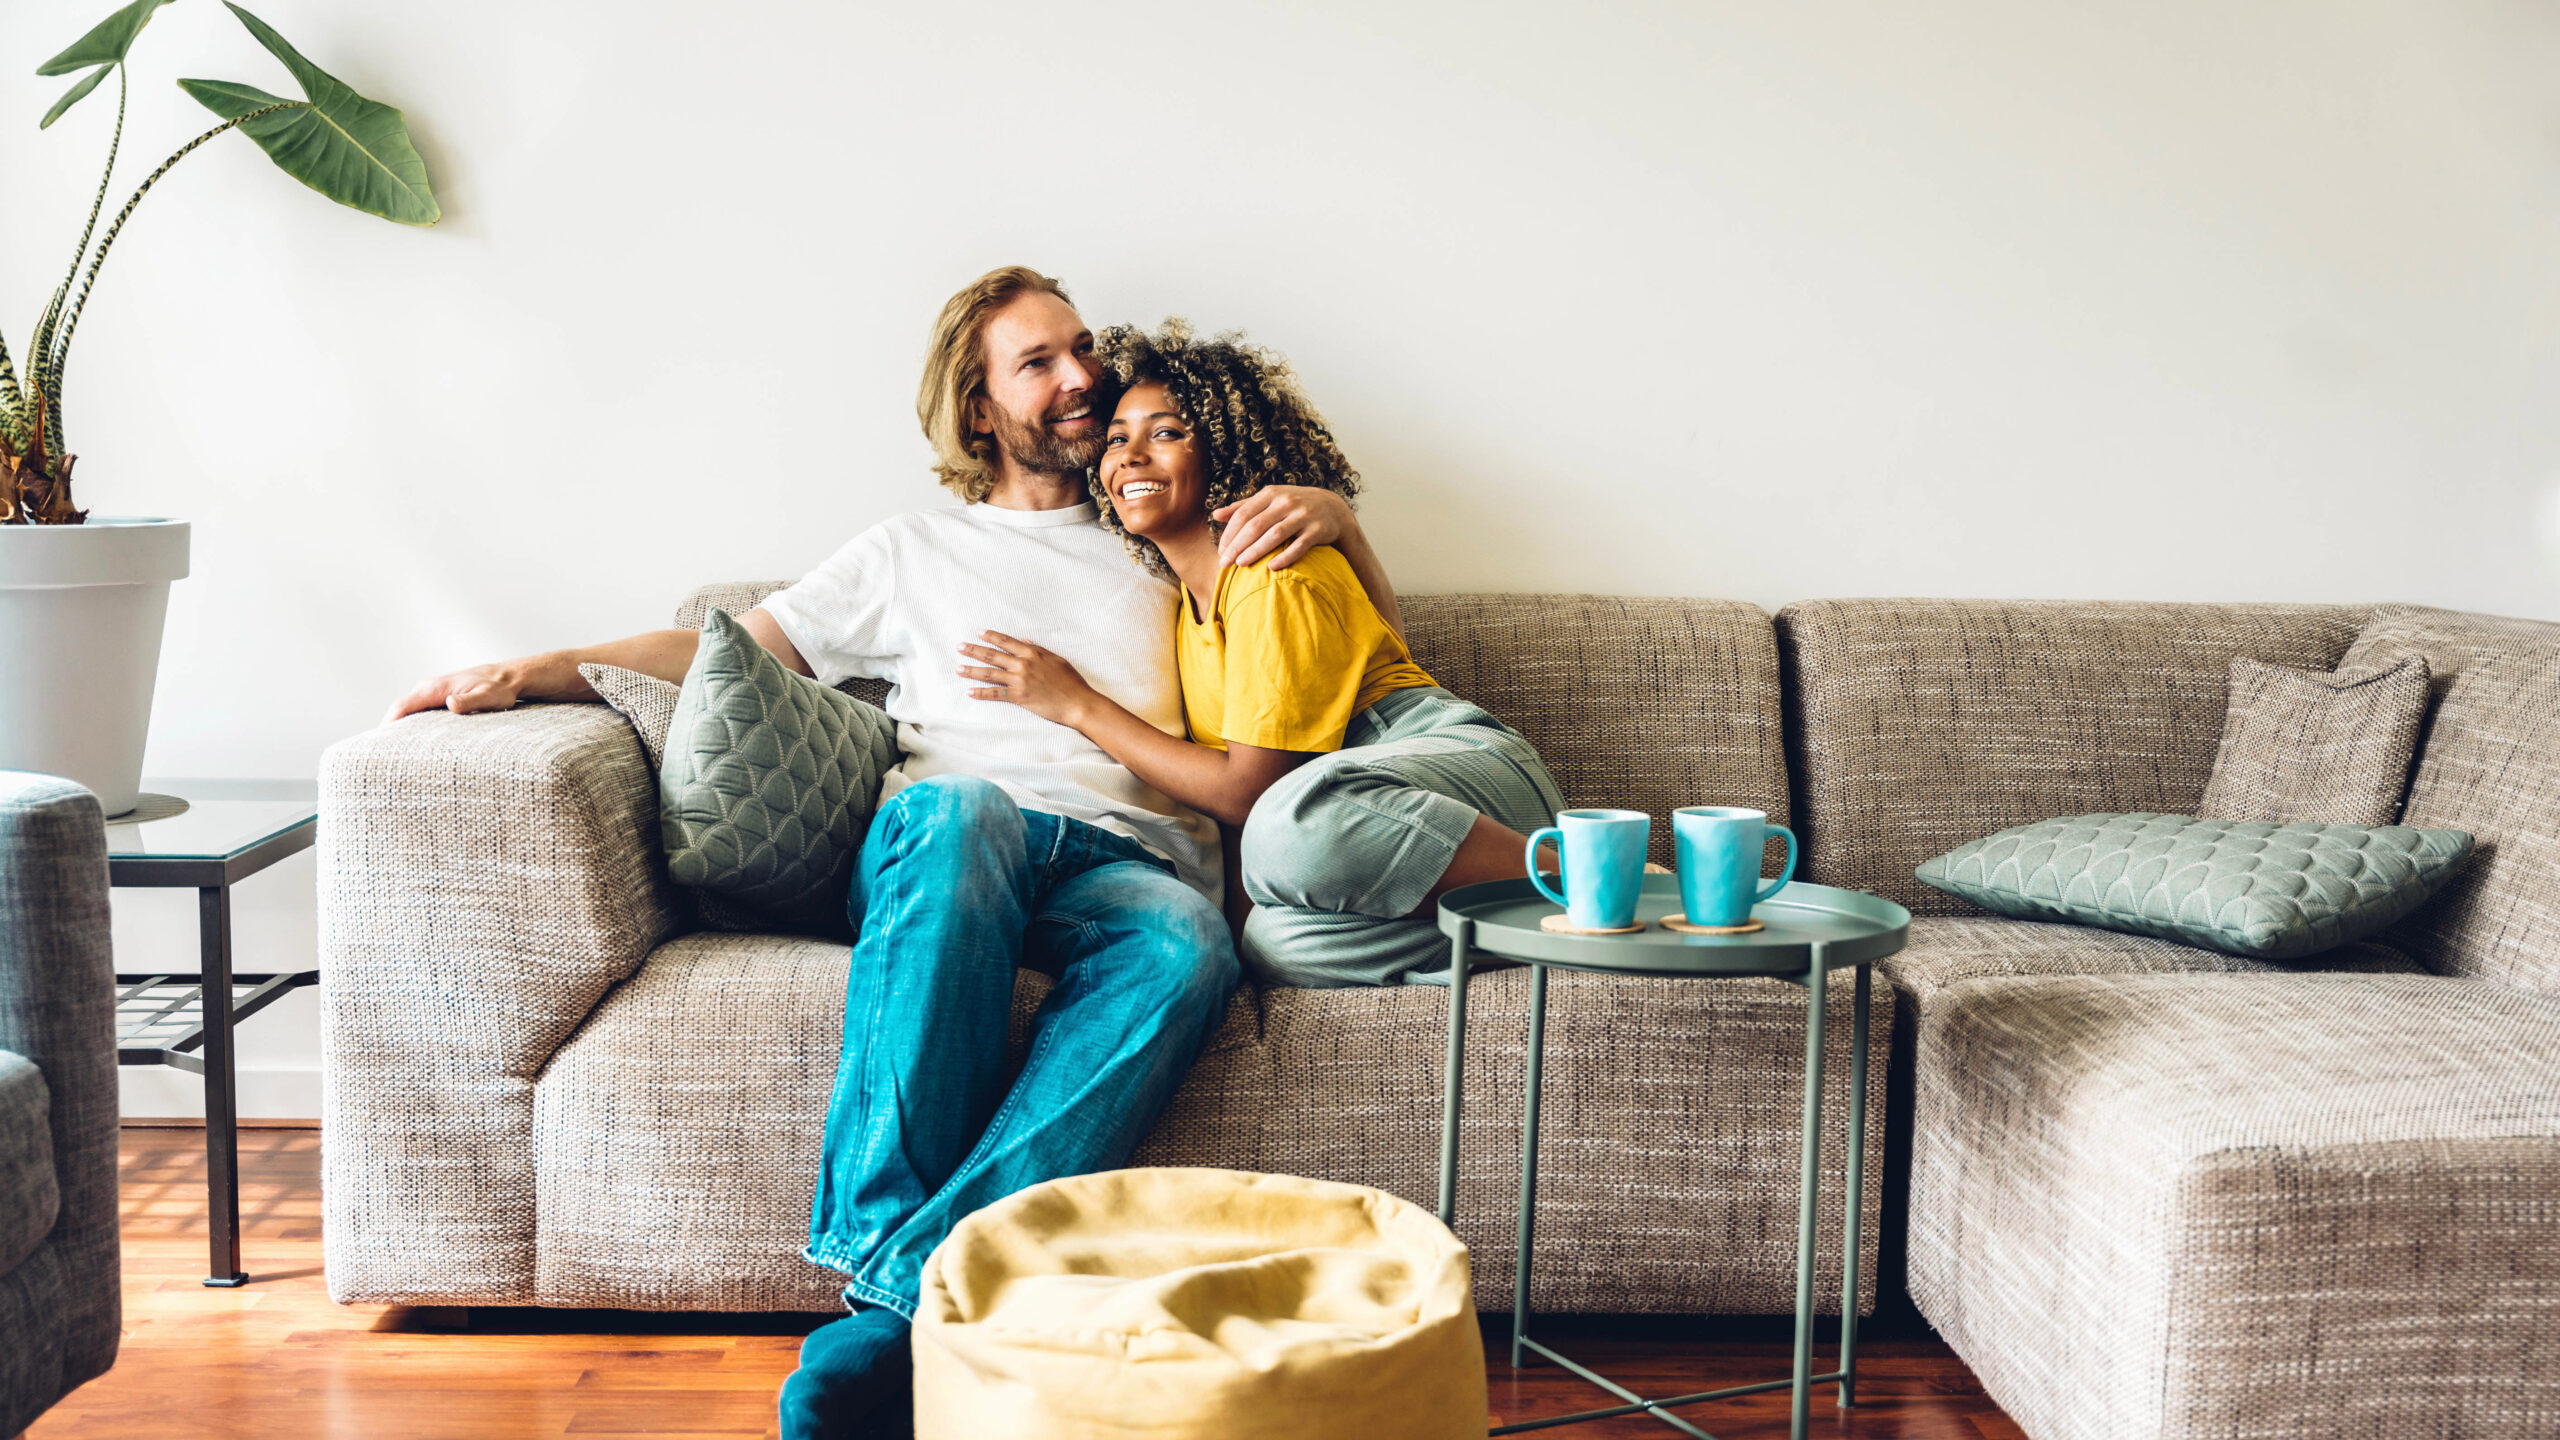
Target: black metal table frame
1815	981
211	878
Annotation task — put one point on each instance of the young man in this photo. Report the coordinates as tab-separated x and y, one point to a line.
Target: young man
1001	839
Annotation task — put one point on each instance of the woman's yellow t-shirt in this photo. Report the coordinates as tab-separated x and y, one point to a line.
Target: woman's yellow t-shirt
1287	657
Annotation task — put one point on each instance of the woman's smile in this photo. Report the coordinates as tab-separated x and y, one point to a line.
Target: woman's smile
1152	467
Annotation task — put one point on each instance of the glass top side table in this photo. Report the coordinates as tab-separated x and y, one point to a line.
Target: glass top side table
1808	932
205	835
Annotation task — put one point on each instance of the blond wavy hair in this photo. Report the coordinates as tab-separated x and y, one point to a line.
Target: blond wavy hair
955	375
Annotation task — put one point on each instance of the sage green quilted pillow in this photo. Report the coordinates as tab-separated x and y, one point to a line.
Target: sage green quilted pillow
2275	892
768	780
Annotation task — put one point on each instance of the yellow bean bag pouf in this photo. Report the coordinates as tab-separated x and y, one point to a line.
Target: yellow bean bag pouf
1214	1304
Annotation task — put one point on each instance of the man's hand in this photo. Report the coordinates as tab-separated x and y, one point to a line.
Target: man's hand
1284	522
1295	519
1023	674
464	692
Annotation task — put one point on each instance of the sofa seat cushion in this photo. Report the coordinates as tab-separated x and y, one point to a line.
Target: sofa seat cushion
2218	1204
1947	952
29	1198
676	1134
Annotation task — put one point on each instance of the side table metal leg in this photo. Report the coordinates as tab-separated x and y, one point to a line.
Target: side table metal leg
1857	1215
1453	1080
1817	992
1528	1163
221	1108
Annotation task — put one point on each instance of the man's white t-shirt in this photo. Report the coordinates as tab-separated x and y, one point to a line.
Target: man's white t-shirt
899	599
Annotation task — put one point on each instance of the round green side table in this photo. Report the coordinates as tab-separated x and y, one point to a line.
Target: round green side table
1809	932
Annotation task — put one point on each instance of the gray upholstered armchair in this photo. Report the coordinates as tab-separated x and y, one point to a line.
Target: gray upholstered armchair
61	1310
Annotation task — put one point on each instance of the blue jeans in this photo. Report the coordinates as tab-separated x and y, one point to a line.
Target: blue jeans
958	886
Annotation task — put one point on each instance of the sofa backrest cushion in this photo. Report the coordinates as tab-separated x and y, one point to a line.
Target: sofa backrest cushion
1650	704
2490	764
1635	702
1915	726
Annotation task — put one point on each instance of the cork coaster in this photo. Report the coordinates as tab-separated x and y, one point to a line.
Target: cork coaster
1558	925
1680	925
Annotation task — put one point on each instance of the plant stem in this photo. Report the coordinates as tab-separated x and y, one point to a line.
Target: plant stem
62	347
99	202
12	400
45	365
40	365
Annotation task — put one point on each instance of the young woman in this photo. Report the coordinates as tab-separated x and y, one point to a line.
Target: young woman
1363	790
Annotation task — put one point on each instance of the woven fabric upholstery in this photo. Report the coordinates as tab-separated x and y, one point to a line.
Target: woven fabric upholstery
1638	703
29	1197
2327	748
485	879
1918	725
676	1173
62	1304
1948	952
1668	1144
2490	765
646	701
2281	892
676	1134
2214	1205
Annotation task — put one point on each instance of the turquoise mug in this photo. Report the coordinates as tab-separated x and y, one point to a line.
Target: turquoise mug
1601	853
1720	851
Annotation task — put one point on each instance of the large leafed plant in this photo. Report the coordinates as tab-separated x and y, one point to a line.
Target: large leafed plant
349	148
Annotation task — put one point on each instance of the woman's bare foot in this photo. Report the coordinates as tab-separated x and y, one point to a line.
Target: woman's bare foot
1490	852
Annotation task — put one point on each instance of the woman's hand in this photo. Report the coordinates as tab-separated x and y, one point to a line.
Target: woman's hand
1023	674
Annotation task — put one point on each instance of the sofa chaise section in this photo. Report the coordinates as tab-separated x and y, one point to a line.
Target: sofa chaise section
2267	1205
2226	1197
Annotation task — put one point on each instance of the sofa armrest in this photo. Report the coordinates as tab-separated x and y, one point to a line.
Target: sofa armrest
485	880
61	1310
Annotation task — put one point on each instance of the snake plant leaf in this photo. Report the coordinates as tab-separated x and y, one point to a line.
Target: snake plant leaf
354	150
106	44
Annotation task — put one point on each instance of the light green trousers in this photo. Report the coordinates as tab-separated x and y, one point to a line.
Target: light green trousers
1344	846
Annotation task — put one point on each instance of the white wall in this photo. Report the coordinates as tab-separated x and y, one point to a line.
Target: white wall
2162	300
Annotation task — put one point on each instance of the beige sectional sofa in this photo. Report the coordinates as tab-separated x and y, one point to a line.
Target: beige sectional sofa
2145	1190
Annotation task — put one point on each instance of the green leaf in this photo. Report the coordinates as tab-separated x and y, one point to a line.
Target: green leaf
105	45
74	96
353	150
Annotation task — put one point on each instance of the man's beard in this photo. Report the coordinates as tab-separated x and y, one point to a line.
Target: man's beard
1041	451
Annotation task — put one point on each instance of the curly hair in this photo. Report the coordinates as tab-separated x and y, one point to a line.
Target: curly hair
1244	406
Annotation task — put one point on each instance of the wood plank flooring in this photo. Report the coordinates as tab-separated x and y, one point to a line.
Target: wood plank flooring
276	1358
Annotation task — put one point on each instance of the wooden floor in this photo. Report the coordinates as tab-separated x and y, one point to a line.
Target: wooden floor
276	1358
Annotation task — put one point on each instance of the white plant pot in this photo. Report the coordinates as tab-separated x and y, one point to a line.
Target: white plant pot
81	608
